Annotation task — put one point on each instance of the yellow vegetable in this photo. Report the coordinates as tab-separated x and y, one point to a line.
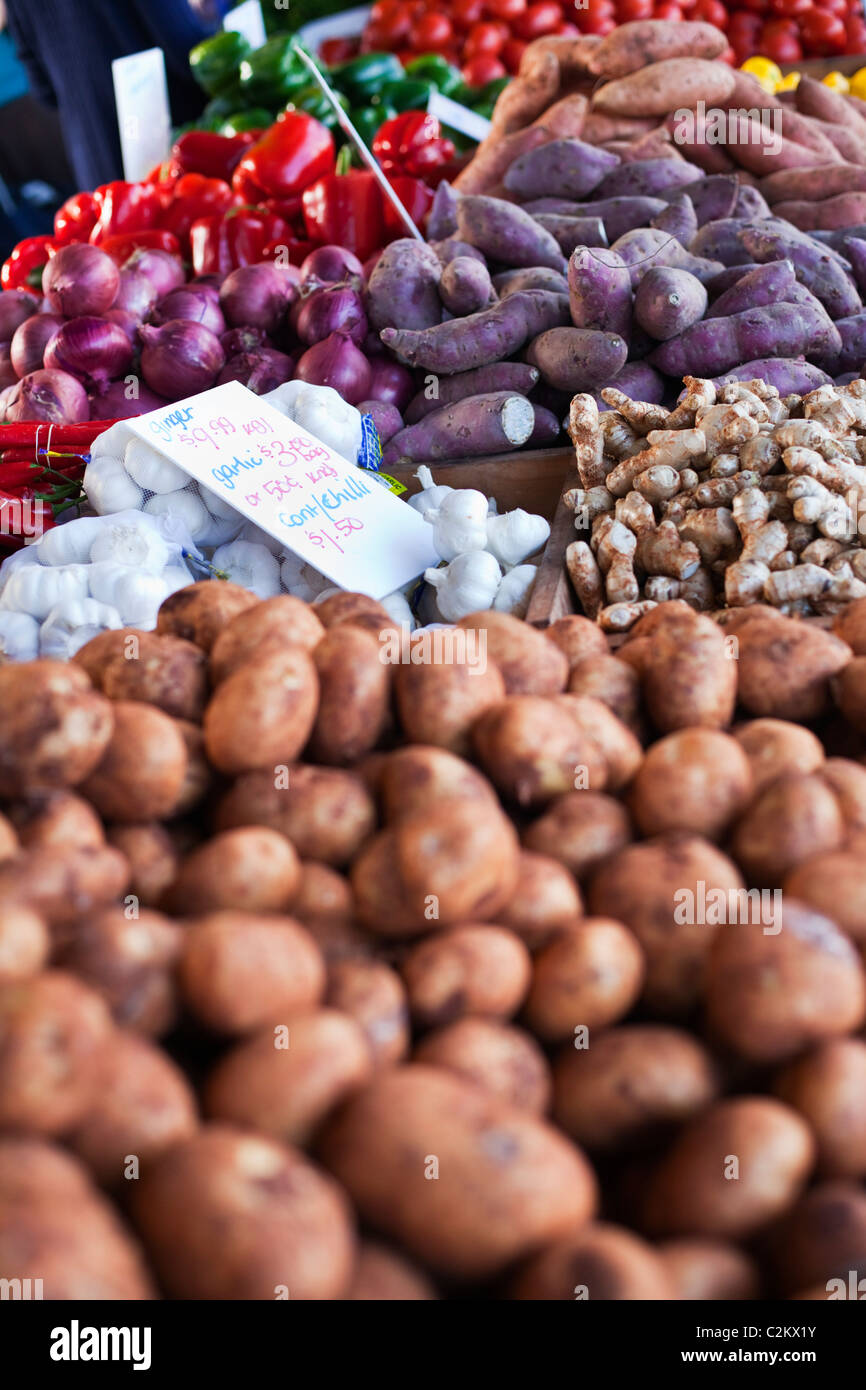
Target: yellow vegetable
837	81
857	84
768	73
789	83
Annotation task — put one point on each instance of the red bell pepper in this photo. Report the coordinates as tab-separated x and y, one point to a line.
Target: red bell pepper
125	207
75	219
205	152
239	237
412	144
121	247
292	154
346	210
416	198
195	196
23	269
297	248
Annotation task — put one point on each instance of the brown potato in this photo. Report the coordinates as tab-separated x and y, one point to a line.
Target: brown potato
413	779
141	773
143	1105
776	747
355	695
373	994
529	663
159	670
439	703
199	612
704	1270
282	620
326	812
580	829
834	885
9	842
103	648
239	971
849	692
847	781
129	957
797	816
771	992
694	780
229	1215
152	858
630	1084
659	889
324	905
616	744
546	898
588	976
687	675
464	1183
442	865
828	1088
59	818
56	1227
261	716
251	869
54	727
578	638
284	1081
600	1262
850	626
199	777
61	884
613	682
503	1060
358	610
25	942
53	1031
784	668
482	970
534	749
821	1241
383	1276
731	1170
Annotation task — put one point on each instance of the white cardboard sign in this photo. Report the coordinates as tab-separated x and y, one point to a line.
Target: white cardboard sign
334	515
143	117
247	19
458	117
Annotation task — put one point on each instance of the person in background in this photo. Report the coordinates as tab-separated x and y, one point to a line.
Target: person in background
68	47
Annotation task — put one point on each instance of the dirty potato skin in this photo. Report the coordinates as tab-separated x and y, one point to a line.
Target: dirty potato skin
694	780
822	1237
141	773
438	704
827	1086
251	869
687	676
61	884
358	610
578	638
54	727
784	668
130	961
159	670
413	779
25	942
601	1262
588	975
326	812
199	612
383	1276
152	858
354	695
776	747
280	620
482	970
504	1060
834	885
709	1270
62	818
533	750
528	662
795	817
546	898
232	1215
261	716
507	1182
374	995
580	829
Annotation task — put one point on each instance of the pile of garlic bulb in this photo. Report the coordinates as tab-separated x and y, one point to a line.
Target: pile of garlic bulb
485	553
87	575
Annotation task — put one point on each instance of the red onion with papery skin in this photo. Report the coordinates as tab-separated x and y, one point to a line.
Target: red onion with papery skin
258	295
8	374
15	307
80	280
236	340
209	283
94	350
50	395
337	362
30	340
163	270
332	309
6	397
192	305
180	358
330	265
386	418
260	370
391	383
135	295
114	403
128	322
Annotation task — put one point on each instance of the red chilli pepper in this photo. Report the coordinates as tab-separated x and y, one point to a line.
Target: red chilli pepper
23	269
346	210
125	207
292	154
121	247
412	144
195	196
416	198
205	152
75	219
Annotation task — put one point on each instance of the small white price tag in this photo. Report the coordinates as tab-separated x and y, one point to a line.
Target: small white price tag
334	515
143	117
458	117
349	24
247	19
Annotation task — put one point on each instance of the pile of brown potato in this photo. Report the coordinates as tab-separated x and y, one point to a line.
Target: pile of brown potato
324	978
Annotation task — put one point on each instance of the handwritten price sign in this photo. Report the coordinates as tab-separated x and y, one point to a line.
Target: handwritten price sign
276	474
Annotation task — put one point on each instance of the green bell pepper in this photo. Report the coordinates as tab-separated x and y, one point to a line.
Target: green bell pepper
408	94
273	73
312	99
364	77
368	119
215	62
431	67
256	118
217	111
488	94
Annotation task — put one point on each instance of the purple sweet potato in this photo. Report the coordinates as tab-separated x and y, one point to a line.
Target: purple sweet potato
573	231
855	250
647	178
791	376
853	334
668	301
599	287
547	428
716	345
836	240
449	249
815	266
827	342
577	359
732	275
506	234
750	203
386	418
465	286
767	284
639	381
568	167
712	197
537	277
619	215
442	217
516	377
646	247
403	289
462	344
566	207
720	241
678	219
478	425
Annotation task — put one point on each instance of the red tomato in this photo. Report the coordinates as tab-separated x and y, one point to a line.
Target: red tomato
567	31
486	38
822	33
743	20
335	51
504	9
598	24
711	12
780	44
756	6
540	19
668	9
600	9
481	70
856	40
431	33
838	7
729	56
781	26
512	52
791	8
635	9
465	13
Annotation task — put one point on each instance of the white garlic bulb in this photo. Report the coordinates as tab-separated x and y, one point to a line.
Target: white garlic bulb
130	543
514	592
460	523
467	585
431	496
515	535
109	487
69	543
150	470
19	637
69	625
250	565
